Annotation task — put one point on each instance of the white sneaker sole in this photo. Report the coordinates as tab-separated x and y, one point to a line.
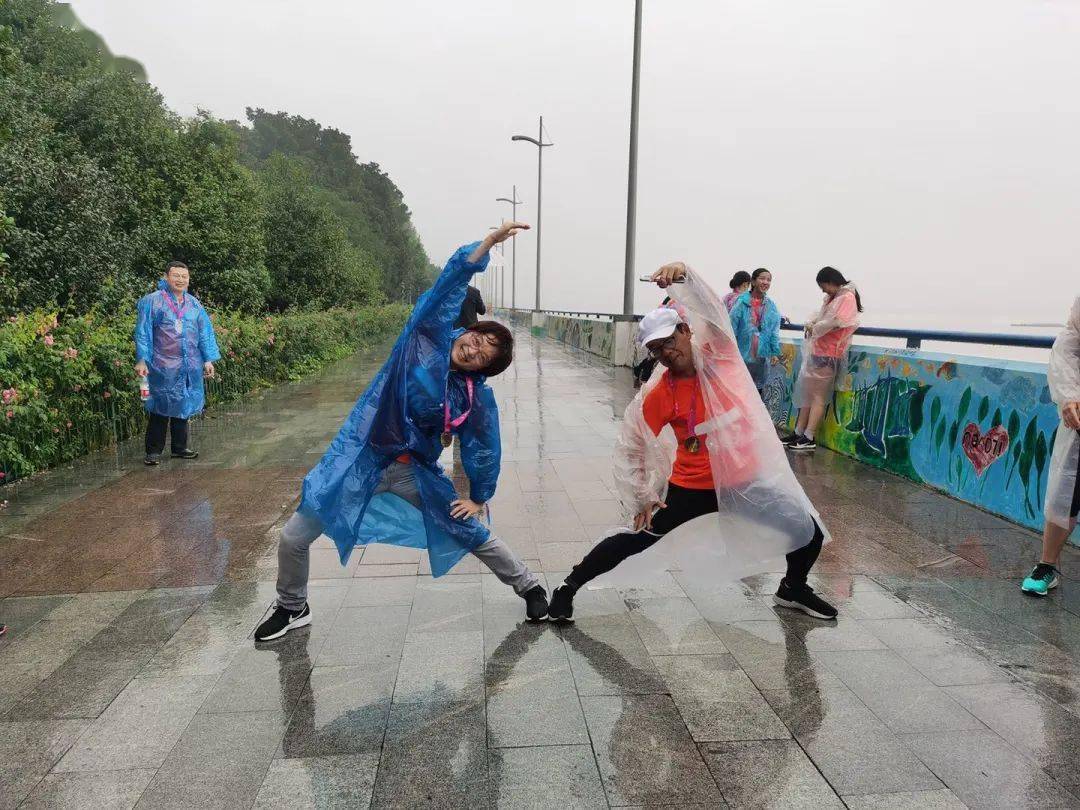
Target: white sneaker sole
1032	592
801	607
304	622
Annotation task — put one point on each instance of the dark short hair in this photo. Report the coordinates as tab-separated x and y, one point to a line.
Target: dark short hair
758	272
173	264
740	278
504	344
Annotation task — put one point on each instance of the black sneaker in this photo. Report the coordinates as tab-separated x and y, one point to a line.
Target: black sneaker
281	621
800	443
185	454
789	439
536	603
561	608
152	459
804	599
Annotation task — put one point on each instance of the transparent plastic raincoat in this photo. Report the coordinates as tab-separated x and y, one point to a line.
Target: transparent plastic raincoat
403	411
174	341
763	512
768	333
825	349
1063	377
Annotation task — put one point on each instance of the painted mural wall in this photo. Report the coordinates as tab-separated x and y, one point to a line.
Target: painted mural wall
981	430
591	335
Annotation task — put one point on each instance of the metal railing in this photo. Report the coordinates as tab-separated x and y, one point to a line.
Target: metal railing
913	337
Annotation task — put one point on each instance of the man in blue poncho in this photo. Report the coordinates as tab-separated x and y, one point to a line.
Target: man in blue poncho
174	346
380	480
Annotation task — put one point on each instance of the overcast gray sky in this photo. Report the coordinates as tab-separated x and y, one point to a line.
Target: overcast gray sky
930	149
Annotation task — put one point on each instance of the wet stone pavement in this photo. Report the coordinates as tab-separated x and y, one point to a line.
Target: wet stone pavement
129	678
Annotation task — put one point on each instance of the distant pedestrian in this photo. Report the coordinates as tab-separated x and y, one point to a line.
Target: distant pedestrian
756	322
472	307
826	340
740	283
175	347
1063	485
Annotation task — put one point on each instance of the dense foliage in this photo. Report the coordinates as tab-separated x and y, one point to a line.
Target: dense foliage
67	387
102	185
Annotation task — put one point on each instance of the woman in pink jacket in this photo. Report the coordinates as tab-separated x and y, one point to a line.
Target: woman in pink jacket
824	354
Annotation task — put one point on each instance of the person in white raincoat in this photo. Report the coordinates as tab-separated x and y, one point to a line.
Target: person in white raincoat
1063	486
699	465
824	354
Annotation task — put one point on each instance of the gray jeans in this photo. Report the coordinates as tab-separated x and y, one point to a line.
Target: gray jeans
300	531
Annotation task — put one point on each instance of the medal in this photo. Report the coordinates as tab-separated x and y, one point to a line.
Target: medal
177	311
692	444
447	437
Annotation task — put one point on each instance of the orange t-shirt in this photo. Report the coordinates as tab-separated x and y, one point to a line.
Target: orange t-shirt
691	470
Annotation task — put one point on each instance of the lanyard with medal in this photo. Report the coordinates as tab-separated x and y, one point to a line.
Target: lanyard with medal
692	443
177	311
448	423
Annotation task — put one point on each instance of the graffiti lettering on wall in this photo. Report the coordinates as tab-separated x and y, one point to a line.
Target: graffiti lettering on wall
981	430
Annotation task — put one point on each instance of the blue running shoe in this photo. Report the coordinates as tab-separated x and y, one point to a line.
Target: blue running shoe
1042	578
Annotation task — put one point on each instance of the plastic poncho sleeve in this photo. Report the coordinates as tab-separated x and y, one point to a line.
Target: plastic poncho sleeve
1063	374
144	330
208	347
481	447
841	312
428	319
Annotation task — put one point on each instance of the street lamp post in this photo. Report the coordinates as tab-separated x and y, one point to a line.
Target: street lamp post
515	202
539	144
631	184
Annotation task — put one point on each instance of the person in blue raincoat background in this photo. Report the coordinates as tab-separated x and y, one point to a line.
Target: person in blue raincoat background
755	320
380	480
174	346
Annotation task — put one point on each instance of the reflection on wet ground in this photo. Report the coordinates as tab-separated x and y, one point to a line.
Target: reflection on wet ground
129	677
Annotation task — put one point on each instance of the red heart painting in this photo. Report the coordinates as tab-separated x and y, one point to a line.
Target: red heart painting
983	449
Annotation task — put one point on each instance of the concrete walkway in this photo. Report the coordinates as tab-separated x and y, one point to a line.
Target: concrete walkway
128	677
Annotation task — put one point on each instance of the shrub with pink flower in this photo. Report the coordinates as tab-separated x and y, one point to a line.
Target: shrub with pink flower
71	353
49	340
9	395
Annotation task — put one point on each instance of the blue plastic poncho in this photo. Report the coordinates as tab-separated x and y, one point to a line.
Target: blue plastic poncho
174	350
403	411
768	333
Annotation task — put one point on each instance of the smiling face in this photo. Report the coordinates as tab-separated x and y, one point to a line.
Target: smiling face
762	283
473	351
674	352
177	278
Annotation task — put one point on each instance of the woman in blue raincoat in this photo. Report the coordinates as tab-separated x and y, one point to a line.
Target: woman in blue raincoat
380	480
756	323
174	347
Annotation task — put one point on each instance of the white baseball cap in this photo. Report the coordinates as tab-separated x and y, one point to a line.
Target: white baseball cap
658	324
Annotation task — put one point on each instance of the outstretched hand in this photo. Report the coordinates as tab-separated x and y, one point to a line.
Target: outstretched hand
500	234
669	274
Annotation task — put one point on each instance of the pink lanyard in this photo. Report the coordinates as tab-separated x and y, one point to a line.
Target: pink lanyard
453	423
692	421
178	312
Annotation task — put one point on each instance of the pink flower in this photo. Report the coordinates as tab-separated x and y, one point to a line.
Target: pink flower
11	414
69	423
48	339
106	395
71	353
270	340
12	319
3	475
9	395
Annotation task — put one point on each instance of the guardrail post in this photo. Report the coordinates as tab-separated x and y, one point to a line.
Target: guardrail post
914	343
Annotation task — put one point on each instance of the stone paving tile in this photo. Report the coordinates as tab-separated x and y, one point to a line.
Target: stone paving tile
985	771
219	761
549	776
141	726
28	750
344	781
768	774
674	626
645	754
943	799
110	790
533	702
434	755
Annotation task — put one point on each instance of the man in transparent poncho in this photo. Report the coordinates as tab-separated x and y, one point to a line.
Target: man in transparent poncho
699	465
1063	486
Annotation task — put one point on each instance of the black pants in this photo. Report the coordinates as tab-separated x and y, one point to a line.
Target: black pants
682	505
156	426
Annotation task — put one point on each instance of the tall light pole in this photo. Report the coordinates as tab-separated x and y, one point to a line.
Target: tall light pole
631	184
515	202
539	144
498	297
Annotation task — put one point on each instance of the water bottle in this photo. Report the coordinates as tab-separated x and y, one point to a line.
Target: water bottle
144	388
